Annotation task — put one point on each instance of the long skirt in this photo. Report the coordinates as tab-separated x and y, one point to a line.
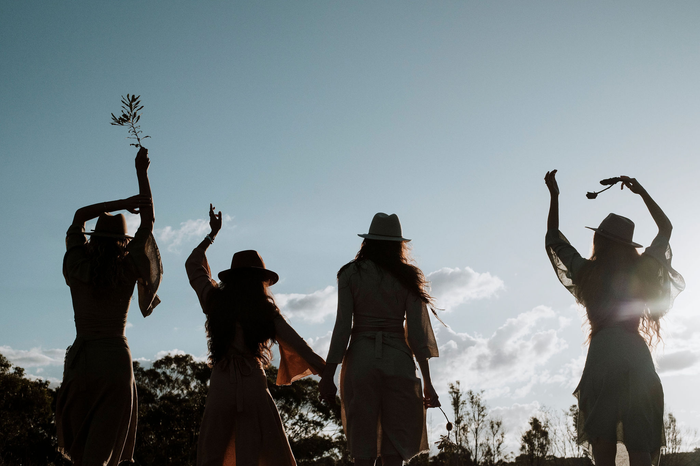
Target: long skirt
97	405
620	395
382	400
241	425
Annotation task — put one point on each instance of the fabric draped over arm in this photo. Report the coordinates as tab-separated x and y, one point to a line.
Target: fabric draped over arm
297	359
565	259
672	283
343	320
419	331
146	259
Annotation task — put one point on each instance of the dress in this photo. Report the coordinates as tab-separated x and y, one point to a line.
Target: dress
620	395
97	405
241	425
382	400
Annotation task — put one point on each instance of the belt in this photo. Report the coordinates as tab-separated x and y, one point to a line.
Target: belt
390	338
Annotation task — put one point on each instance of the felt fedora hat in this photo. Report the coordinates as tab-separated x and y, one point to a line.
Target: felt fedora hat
617	228
384	227
247	261
110	226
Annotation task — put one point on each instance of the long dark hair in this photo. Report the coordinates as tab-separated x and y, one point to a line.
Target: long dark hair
244	300
394	257
615	273
107	257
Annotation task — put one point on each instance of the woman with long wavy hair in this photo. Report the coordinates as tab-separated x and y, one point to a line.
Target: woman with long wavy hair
383	405
625	294
241	425
96	406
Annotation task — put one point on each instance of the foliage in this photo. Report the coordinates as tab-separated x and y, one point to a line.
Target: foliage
131	106
27	429
535	443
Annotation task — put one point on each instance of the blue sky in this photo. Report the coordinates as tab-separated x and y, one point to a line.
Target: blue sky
300	120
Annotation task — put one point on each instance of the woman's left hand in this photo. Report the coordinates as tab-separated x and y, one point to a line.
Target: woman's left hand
142	161
328	389
214	221
430	396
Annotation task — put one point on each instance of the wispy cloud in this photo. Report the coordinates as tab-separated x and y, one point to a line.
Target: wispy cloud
173	238
452	287
313	307
35	357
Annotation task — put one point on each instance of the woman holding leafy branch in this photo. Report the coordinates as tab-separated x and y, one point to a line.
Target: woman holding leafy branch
625	295
96	406
241	425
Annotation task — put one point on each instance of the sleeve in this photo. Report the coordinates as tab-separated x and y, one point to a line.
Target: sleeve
199	274
145	257
76	263
565	259
671	283
297	359
343	320
419	331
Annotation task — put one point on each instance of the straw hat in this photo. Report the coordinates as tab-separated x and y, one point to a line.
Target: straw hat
384	227
617	228
110	226
247	261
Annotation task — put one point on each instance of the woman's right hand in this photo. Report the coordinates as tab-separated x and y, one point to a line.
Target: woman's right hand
142	161
134	204
551	181
327	388
633	185
430	396
214	221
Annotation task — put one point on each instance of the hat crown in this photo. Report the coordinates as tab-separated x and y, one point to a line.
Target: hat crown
617	228
385	227
110	225
249	258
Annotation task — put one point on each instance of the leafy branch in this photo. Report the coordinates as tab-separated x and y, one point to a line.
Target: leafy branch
131	106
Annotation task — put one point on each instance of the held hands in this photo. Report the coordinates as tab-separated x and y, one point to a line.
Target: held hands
551	181
214	221
430	396
327	388
134	204
142	160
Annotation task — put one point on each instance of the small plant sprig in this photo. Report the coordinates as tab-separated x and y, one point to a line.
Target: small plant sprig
609	182
131	106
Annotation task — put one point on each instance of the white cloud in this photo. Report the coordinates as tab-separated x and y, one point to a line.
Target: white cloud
320	344
452	287
511	358
173	238
313	307
34	357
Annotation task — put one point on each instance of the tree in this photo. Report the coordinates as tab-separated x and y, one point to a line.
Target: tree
535	443
27	428
495	437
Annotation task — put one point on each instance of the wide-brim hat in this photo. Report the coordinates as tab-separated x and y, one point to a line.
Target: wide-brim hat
248	261
385	228
110	226
617	228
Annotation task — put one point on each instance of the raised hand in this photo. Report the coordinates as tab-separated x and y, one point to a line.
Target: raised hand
214	221
551	181
633	185
142	160
134	204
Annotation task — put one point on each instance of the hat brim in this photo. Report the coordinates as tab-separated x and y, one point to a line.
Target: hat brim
382	238
227	275
108	235
615	238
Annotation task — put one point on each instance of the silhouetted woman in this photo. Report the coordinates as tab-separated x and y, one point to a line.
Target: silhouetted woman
96	407
380	392
625	294
241	425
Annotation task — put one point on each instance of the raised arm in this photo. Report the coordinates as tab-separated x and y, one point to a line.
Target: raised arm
662	221
142	163
553	218
196	264
133	204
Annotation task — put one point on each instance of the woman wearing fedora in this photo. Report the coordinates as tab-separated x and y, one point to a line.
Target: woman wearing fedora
625	295
241	425
96	406
383	405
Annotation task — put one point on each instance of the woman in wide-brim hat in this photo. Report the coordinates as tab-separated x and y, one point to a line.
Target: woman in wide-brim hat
625	295
382	324
241	424
96	406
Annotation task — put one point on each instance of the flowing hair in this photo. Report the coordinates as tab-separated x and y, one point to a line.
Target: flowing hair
246	301
614	274
107	258
394	257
